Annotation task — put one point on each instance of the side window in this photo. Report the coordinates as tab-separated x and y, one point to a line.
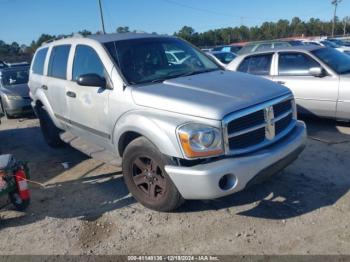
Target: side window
256	65
295	64
39	60
58	61
86	61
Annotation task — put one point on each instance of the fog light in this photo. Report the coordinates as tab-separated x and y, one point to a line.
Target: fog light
227	182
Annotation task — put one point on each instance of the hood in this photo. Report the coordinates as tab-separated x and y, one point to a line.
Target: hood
20	90
209	95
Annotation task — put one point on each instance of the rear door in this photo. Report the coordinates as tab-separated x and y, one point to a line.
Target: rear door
56	83
89	105
314	95
257	65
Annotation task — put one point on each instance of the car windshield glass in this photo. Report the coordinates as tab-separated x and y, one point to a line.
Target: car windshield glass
150	59
336	60
330	44
225	57
14	77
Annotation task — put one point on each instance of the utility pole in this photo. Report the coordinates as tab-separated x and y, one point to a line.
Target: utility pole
101	14
335	3
345	21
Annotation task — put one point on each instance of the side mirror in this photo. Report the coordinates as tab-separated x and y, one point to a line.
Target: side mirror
316	71
91	80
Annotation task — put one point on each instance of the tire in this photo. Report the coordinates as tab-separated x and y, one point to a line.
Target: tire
146	179
50	132
19	204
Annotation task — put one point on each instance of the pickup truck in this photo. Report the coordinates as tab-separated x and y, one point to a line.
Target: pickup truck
188	130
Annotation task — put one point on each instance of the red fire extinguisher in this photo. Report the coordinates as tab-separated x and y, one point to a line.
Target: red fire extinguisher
22	185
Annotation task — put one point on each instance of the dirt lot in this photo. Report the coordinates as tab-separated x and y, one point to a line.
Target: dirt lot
86	208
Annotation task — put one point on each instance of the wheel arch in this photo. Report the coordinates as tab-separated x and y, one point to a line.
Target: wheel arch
136	124
41	101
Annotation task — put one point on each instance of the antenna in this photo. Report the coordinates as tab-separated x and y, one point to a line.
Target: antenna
101	14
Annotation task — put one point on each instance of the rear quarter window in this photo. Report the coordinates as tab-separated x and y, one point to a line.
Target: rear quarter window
58	61
39	61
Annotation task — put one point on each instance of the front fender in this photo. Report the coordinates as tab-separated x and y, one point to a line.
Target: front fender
159	128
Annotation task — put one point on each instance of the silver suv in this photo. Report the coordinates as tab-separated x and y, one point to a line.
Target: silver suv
188	130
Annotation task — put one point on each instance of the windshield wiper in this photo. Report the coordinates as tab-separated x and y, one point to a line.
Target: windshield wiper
199	72
162	79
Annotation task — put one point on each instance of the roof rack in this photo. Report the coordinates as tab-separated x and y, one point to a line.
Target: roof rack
74	35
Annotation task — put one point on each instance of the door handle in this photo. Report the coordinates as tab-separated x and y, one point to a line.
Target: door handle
280	82
44	87
71	94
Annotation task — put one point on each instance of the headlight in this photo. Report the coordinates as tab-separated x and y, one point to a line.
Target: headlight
199	140
14	97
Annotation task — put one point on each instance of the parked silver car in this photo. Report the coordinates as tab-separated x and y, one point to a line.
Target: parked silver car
319	77
14	91
180	131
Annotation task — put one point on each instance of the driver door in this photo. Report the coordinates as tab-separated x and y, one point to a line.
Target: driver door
88	105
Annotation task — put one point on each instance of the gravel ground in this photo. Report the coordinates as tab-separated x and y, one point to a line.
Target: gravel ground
86	208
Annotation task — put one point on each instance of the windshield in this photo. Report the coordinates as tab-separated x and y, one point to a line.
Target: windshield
225	58
157	59
336	60
9	78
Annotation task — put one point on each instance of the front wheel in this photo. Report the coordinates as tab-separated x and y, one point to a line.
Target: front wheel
146	179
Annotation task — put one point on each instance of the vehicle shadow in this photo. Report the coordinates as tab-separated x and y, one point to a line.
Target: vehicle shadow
86	190
315	180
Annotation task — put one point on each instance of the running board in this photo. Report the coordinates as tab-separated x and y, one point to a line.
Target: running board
91	150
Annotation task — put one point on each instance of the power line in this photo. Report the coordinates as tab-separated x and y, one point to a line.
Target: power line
197	8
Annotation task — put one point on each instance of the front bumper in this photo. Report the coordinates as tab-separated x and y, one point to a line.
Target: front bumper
202	181
18	107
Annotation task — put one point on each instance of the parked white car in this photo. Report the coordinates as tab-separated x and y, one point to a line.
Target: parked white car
176	57
318	76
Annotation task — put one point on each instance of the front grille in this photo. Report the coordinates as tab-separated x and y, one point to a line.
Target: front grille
245	122
282	107
252	129
248	139
282	124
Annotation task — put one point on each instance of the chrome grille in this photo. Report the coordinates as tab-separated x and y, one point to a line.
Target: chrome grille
259	126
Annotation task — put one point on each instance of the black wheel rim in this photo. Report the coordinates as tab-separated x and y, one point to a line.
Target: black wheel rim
149	178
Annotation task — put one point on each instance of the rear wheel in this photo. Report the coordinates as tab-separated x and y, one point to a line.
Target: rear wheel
146	179
50	132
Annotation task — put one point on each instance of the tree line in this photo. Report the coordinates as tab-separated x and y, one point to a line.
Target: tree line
268	30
